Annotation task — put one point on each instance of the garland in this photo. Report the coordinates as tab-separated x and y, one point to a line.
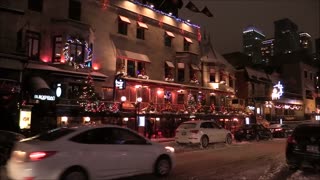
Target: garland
66	53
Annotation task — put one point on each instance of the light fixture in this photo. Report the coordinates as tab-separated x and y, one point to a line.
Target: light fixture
123	98
157	119
152	6
159	92
139	99
87	119
188	20
170	13
125	119
64	119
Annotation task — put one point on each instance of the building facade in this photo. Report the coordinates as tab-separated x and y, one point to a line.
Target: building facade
267	50
305	42
138	59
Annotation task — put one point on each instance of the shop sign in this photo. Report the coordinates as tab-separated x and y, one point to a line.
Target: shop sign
58	90
120	83
25	119
44	97
142	121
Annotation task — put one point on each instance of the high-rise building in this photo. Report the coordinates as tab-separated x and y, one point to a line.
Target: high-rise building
286	36
252	39
267	50
305	42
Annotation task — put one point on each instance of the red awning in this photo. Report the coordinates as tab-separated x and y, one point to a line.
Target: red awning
124	19
188	40
170	34
142	25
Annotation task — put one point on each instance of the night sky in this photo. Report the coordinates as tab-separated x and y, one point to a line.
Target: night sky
232	16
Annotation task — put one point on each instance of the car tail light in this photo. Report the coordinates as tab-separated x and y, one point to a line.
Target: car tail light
278	129
39	155
19	156
194	131
291	140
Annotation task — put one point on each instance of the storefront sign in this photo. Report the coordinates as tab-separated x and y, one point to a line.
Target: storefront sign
58	90
44	97
120	83
25	119
142	121
277	91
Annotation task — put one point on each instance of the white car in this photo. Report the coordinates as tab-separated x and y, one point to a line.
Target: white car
202	132
82	153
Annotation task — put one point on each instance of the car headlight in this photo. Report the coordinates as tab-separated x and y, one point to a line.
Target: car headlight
169	149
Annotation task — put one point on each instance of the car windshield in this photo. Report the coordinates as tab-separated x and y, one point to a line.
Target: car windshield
54	134
188	125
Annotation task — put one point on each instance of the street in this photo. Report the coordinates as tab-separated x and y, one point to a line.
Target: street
262	160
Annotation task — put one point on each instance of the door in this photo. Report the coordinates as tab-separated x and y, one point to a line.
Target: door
99	154
207	128
138	156
220	132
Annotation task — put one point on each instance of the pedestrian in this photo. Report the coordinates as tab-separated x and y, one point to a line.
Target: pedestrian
150	128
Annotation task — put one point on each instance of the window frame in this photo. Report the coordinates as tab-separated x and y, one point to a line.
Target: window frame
167	40
56	59
33	36
140	33
186	45
122	27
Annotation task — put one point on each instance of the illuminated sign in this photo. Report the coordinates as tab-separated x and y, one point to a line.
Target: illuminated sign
58	90
44	97
142	121
120	83
277	91
25	119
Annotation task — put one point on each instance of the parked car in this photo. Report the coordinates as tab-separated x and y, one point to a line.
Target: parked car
202	132
280	130
303	146
7	141
91	152
252	132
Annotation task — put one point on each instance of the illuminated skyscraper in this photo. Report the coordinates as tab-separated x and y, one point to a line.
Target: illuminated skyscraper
305	42
252	39
267	50
286	36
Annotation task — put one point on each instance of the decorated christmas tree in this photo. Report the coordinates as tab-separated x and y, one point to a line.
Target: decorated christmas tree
89	99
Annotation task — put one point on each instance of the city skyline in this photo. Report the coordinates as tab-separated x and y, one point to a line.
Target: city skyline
227	24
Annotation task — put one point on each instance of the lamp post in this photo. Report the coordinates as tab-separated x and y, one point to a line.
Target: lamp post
137	106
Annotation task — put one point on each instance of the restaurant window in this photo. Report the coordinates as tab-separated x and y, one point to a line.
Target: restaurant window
74	91
212	75
57	48
140	33
131	68
167	40
107	94
74	9
33	44
77	51
180	98
167	96
141	68
35	5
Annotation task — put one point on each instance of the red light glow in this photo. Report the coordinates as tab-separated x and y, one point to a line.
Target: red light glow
45	58
95	67
36	156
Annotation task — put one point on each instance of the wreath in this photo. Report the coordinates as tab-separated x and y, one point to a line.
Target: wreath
71	60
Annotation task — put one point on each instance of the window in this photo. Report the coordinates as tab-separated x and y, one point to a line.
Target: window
123	27
74	9
212	75
76	50
35	5
123	136
186	45
74	91
180	98
206	125
305	74
181	75
167	40
54	134
94	136
141	68
131	68
140	33
57	49
33	44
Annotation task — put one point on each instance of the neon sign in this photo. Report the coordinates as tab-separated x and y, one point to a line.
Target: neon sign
277	91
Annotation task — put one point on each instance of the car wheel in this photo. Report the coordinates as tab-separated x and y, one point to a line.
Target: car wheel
74	174
163	166
229	139
204	142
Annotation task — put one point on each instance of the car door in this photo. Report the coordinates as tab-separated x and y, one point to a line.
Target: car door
207	129
219	132
138	155
99	154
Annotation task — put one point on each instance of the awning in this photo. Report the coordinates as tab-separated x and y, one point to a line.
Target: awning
195	67
124	54
142	25
181	65
40	89
170	64
170	34
188	40
124	19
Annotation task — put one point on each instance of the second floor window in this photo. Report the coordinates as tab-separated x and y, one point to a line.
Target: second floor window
57	48
131	68
33	45
123	25
35	5
186	44
168	38
77	51
212	75
141	30
75	9
181	72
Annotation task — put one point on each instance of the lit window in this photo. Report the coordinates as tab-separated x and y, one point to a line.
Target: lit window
33	44
57	49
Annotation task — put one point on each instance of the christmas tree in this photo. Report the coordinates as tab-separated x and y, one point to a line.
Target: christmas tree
89	99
